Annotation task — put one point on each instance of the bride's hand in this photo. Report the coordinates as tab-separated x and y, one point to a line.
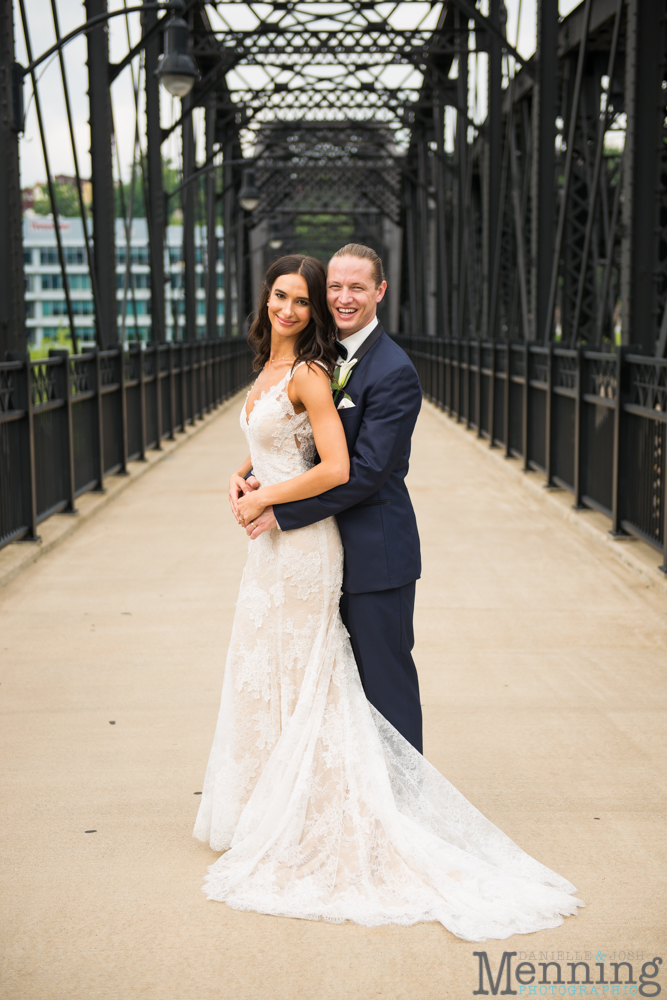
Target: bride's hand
238	486
250	506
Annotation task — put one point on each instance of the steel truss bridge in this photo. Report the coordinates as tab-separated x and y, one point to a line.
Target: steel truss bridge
520	206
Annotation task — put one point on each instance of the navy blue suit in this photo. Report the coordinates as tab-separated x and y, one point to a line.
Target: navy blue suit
379	531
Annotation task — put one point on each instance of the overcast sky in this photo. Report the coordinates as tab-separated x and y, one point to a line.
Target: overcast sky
71	13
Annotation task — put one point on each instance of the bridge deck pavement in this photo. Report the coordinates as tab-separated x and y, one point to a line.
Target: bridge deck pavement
542	664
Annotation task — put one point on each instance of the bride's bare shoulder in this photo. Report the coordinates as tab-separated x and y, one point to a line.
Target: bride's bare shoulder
310	385
310	373
306	368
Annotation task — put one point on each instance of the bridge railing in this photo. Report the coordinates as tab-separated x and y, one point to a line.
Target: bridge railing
594	423
68	421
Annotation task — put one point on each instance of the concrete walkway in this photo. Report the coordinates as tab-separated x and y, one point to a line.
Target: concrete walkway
542	662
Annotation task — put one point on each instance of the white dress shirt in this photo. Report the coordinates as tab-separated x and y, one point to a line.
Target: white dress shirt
355	340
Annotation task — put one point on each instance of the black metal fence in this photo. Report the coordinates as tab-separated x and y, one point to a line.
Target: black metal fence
68	421
595	423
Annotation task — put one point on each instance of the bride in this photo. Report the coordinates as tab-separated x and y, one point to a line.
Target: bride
322	809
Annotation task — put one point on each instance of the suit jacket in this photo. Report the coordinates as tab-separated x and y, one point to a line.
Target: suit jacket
373	509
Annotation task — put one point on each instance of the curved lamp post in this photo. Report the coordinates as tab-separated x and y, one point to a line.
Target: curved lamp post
99	19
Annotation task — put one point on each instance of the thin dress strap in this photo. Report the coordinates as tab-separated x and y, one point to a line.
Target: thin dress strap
315	362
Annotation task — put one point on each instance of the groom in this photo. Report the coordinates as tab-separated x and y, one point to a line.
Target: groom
373	509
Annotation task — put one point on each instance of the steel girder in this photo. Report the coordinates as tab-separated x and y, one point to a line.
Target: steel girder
546	221
12	280
101	130
595	210
339	107
323	99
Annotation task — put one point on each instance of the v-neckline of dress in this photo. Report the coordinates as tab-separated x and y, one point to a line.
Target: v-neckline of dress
262	395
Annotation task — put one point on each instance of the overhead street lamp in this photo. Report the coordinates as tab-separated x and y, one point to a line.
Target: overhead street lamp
275	240
176	69
249	196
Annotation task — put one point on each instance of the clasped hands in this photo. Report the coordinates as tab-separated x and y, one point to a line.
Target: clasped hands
245	499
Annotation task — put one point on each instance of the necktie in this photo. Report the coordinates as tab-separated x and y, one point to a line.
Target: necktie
342	350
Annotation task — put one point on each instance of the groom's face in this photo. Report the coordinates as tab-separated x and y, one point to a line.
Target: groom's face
352	294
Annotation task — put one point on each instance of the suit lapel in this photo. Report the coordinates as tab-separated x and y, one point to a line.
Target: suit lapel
371	339
369	342
363	350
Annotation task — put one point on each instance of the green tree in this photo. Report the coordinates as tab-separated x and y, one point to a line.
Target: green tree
67	201
171	178
67	198
122	198
171	175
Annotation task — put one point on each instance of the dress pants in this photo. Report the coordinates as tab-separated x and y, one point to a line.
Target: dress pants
382	635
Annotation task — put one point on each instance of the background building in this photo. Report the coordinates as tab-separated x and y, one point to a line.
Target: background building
46	312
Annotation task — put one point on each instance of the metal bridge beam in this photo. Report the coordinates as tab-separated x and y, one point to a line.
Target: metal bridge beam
492	165
12	307
189	203
211	237
155	206
644	157
101	130
228	227
543	177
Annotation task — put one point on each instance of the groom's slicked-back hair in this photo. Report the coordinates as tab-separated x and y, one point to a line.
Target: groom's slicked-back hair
364	253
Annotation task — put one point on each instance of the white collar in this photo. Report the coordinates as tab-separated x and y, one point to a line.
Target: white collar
355	340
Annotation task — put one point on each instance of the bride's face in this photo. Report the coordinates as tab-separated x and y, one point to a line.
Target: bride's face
289	305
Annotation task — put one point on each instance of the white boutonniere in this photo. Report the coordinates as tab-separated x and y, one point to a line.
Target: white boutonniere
340	379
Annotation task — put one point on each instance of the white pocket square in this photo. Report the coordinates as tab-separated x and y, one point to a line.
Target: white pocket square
344	404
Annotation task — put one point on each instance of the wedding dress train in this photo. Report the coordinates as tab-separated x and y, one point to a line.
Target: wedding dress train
323	810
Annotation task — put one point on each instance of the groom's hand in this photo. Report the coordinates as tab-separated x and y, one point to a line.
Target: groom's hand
265	522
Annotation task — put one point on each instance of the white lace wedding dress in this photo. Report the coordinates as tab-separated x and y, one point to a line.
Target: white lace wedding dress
323	810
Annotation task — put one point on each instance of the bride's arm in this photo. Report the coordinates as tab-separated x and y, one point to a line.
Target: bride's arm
309	387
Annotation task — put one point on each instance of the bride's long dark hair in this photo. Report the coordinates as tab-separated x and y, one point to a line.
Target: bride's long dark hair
317	342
